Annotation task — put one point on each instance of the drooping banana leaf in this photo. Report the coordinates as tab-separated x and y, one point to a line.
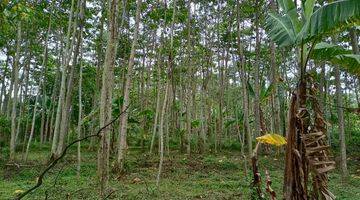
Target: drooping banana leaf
337	55
308	9
326	51
325	20
280	29
330	18
289	8
348	62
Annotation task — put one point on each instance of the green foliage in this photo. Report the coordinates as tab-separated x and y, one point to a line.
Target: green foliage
337	56
287	30
332	17
209	176
5	125
280	29
195	123
265	92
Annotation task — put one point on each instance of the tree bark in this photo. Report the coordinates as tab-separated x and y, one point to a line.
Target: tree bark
274	79
189	83
16	87
43	85
3	84
32	127
158	101
123	118
354	41
256	72
243	78
64	68
82	13
167	88
340	112
65	113
106	97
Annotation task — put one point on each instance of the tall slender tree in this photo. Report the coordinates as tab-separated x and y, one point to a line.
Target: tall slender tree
15	92
106	96
123	118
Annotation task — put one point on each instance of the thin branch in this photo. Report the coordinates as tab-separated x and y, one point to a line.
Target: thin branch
112	192
56	160
55	181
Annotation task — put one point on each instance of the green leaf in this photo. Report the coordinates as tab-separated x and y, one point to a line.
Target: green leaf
280	30
332	16
309	8
337	56
325	51
229	122
195	123
133	121
269	90
250	89
348	62
289	8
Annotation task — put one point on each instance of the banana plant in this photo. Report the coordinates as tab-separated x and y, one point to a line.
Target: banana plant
305	30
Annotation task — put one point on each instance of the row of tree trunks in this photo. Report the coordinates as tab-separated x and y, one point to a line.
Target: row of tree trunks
64	68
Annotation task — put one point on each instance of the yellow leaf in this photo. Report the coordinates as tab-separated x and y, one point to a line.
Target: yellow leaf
273	139
355	176
18	191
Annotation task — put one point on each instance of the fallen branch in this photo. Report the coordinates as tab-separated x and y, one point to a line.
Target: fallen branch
54	161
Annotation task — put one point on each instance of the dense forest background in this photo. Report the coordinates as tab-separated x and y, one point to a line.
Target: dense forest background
171	99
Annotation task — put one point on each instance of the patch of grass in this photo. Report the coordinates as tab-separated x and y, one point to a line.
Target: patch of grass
218	176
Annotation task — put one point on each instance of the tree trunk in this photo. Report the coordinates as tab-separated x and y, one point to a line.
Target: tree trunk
3	85
106	97
161	133
167	88
189	84
274	79
124	117
340	112
16	87
64	68
99	64
43	85
82	12
157	109
354	41
142	99
32	127
257	70
23	94
65	113
243	78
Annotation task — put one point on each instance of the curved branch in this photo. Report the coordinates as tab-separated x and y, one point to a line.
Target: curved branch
56	160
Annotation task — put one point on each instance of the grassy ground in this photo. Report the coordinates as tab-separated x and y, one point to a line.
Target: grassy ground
218	176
